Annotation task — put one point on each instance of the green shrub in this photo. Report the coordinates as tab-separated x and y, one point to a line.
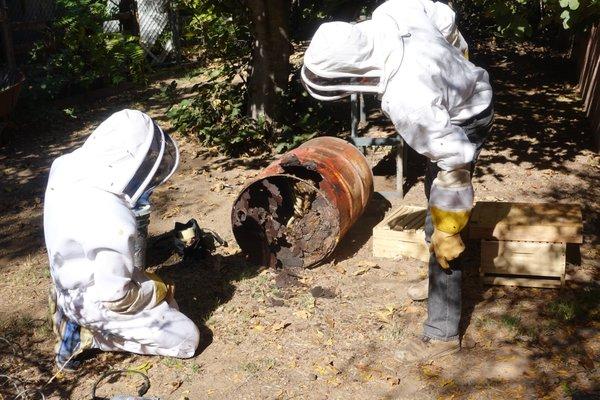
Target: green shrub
216	116
217	30
526	19
78	54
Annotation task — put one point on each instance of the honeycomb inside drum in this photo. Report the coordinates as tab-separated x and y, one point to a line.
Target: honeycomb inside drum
284	221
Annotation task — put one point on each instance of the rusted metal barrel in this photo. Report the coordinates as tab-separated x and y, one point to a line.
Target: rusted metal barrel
297	210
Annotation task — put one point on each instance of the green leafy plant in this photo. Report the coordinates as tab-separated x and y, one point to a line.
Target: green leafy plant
216	115
217	30
78	54
524	18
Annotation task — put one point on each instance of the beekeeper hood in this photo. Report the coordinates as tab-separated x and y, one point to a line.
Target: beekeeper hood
128	155
344	57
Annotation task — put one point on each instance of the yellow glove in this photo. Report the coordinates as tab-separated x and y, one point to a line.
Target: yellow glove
446	246
161	289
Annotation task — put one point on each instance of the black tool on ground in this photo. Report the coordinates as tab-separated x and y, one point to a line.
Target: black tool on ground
141	391
192	240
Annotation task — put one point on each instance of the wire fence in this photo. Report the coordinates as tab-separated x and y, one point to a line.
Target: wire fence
158	29
28	20
156	22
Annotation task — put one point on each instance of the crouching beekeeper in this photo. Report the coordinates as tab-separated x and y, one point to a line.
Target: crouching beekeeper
412	55
100	298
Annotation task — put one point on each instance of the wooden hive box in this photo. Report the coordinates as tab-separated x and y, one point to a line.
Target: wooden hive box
524	244
401	234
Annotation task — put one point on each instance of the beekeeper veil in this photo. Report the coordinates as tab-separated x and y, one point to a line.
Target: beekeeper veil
129	155
343	58
340	57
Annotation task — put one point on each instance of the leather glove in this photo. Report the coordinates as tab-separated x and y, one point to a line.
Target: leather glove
446	246
161	289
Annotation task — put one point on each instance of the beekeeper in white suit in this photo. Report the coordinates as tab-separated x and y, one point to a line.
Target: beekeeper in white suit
412	55
100	298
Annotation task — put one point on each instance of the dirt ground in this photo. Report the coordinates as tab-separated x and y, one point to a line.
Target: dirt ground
328	332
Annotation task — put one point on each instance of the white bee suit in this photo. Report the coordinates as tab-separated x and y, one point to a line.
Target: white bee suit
433	88
90	229
411	54
427	85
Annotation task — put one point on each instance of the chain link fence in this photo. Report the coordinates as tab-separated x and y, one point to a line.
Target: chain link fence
159	33
156	22
28	20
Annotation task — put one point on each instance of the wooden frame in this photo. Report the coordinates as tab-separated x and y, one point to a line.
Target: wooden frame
533	264
402	234
541	222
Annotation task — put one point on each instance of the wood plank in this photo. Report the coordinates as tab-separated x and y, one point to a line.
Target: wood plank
392	240
397	215
519	281
523	258
413	219
392	248
418	222
526	222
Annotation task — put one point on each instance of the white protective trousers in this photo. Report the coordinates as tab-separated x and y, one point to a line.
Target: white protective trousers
161	330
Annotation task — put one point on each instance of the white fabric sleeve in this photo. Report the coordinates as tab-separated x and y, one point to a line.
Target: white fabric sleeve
116	287
452	191
429	131
444	19
112	276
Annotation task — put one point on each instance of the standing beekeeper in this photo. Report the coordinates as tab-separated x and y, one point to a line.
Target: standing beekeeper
412	55
100	298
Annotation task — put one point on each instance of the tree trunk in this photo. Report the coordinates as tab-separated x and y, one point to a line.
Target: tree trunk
271	50
129	25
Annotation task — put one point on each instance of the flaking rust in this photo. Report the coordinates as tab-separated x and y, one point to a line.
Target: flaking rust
296	212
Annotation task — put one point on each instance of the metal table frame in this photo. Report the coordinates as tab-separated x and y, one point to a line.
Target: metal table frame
358	118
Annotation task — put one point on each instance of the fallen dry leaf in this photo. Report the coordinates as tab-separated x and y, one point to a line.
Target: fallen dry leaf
586	362
431	371
384	316
174	385
448	382
303	314
340	269
364	267
144	367
218	187
361	271
412	309
171	213
330	322
258	327
393	381
280	326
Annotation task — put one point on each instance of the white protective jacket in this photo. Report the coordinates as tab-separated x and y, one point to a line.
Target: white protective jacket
411	54
427	85
90	229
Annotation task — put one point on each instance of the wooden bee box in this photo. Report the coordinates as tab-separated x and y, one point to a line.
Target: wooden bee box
525	244
534	264
401	234
541	222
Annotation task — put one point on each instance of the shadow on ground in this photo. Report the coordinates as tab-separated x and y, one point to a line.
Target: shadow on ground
202	282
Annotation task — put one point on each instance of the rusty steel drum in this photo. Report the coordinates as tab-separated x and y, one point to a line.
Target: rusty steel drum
297	210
